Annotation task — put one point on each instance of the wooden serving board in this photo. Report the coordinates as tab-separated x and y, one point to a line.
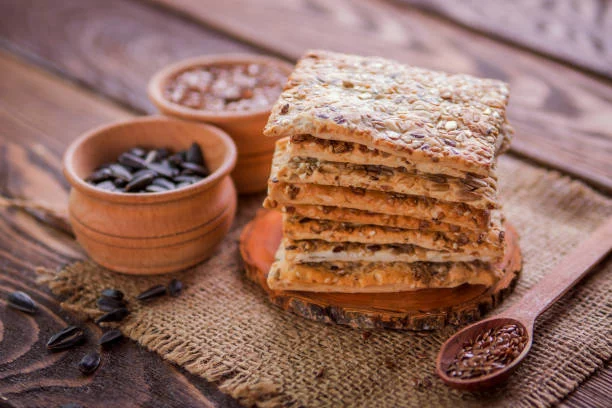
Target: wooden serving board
426	309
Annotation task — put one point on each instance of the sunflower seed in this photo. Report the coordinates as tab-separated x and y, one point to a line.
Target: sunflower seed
120	172
107	304
100	175
115	316
192	168
138	151
89	363
155	189
106	185
175	287
155	291
112	294
22	301
152	156
194	154
138	183
69	337
109	337
162	182
128	159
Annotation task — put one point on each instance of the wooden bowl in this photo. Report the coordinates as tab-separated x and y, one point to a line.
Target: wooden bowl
254	150
151	233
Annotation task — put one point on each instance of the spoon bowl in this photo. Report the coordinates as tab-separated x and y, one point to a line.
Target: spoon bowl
452	346
538	299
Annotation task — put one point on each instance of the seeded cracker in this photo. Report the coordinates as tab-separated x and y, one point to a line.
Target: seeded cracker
458	121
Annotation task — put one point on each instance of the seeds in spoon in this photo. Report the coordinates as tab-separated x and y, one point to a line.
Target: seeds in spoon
89	363
115	316
489	352
151	293
67	338
110	337
22	301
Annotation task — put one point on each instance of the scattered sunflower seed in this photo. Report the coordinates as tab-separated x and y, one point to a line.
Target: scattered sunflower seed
155	291
89	363
175	287
22	301
107	304
67	338
112	294
115	316
110	337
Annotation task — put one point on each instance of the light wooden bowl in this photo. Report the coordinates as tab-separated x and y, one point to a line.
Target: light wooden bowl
254	150
151	233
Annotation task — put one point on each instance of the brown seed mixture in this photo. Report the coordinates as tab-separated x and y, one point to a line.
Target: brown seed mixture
239	87
491	351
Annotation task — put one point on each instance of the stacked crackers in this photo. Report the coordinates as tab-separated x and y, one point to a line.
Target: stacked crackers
386	176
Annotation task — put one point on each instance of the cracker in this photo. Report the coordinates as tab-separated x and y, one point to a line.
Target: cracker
478	192
457	121
313	251
486	245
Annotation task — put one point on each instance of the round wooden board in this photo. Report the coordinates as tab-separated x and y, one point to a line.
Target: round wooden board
426	309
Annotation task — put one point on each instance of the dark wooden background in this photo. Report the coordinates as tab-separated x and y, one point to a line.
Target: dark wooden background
69	65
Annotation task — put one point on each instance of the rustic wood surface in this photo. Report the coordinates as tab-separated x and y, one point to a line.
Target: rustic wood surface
427	309
559	114
31	145
577	32
105	51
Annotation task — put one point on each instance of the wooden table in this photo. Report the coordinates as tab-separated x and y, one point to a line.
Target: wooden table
69	65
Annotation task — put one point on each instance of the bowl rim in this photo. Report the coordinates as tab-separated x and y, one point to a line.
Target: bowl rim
228	164
161	77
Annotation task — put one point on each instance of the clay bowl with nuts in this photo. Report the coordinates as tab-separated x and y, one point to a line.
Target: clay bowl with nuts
234	92
151	232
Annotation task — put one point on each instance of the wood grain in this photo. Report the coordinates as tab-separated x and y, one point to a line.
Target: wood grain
425	309
30	148
578	32
559	114
111	46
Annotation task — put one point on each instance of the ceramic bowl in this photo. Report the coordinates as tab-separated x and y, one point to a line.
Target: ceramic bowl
254	150
151	233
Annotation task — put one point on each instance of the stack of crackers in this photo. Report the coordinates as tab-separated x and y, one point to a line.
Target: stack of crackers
386	177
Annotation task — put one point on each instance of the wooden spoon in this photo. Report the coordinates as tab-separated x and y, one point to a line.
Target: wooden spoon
551	287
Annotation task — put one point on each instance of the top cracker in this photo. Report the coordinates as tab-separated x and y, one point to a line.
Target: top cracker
458	121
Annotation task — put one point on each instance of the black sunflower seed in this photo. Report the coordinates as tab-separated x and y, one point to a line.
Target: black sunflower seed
162	182
175	287
186	178
196	169
128	159
120	172
138	151
110	337
140	182
100	175
115	316
107	304
152	188
106	185
162	170
66	338
177	158
22	301
194	154
112	294
155	291
89	363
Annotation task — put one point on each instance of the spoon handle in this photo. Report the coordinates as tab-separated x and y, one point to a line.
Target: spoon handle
573	267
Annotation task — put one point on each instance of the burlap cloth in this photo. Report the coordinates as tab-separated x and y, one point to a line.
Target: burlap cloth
223	329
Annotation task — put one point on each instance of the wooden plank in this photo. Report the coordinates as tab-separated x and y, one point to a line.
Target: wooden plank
595	392
111	46
561	116
39	116
577	32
